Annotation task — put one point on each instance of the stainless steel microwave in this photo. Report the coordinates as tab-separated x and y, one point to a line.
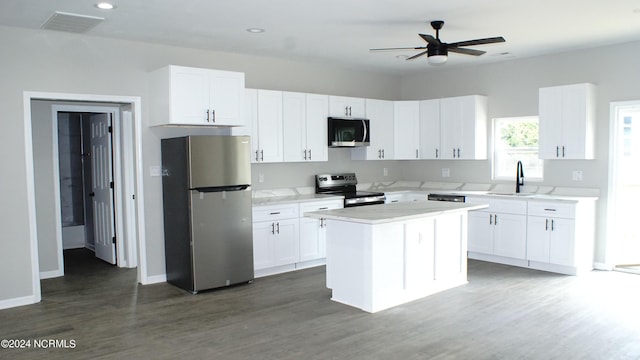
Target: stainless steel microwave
348	132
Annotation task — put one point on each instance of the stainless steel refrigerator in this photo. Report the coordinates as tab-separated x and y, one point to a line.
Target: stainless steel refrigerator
206	189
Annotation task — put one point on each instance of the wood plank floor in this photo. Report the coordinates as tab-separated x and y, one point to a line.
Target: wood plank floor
503	313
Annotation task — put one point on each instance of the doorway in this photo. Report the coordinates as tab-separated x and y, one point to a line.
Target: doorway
132	226
86	181
624	187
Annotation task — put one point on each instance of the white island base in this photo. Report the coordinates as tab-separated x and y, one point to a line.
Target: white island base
377	264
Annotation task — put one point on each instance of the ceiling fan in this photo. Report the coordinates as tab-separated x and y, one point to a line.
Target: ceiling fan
437	50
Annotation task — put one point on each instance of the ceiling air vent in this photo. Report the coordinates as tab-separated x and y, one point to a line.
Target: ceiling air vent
62	21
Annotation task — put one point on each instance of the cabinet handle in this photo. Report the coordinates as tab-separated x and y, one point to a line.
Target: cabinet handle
383	153
213	115
273	228
305	154
275	213
379	154
490	219
552	225
323	208
557	151
495	219
549	209
458	153
278	228
261	155
454	152
257	158
436	153
562	150
416	153
546	224
349	110
309	154
207	115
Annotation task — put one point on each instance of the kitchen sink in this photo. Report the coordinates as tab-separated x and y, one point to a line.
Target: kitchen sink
511	194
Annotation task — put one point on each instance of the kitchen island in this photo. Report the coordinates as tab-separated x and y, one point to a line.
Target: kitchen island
380	256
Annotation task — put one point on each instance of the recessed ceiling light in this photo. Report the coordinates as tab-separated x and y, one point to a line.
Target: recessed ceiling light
105	6
255	30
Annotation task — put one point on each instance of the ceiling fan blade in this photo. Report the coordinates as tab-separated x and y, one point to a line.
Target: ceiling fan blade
429	39
399	48
466	51
492	40
418	55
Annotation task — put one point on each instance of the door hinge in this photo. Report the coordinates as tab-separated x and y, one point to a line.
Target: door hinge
111	184
133	197
113	239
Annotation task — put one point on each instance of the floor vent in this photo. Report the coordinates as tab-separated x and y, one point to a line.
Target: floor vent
62	21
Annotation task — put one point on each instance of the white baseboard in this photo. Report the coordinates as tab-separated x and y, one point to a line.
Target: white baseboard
154	279
51	274
15	302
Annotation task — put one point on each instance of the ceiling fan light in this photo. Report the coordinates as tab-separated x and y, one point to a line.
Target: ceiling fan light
437	59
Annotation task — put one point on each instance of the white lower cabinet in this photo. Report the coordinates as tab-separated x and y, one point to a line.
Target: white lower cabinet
549	235
499	230
313	232
560	236
285	240
275	236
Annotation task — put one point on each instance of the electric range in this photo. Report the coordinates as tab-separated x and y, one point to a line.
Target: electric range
345	184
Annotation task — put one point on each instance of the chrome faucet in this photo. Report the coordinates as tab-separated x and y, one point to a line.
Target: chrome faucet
519	176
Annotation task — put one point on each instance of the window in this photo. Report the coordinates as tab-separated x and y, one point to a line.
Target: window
516	139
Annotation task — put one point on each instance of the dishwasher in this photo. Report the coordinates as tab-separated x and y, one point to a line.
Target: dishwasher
446	197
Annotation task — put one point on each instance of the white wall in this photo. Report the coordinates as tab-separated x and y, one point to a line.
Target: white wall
49	61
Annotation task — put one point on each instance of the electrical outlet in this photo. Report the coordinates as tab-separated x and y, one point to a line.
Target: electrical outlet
261	177
577	175
446	172
385	172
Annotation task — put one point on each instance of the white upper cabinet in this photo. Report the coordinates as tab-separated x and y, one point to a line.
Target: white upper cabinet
567	120
453	128
381	120
430	129
463	127
193	96
406	117
305	126
343	106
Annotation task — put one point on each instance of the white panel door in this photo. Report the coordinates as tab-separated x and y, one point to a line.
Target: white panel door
312	236
189	96
550	122
270	126
430	129
481	232
510	236
226	91
263	250
294	127
406	130
286	242
562	242
538	239
317	113
102	192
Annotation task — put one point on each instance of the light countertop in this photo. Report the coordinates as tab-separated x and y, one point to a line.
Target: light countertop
386	213
289	199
